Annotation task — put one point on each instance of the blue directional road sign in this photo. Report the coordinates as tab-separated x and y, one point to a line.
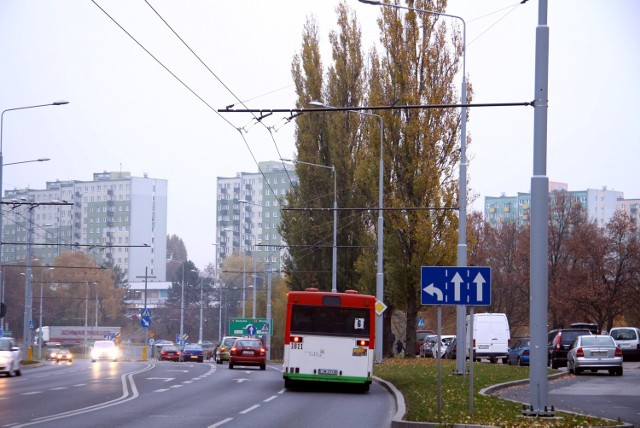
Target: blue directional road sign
145	322
456	285
251	330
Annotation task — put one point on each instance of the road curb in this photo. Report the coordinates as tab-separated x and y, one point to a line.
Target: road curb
401	408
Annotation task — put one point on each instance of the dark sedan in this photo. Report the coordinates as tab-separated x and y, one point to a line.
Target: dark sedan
169	353
192	352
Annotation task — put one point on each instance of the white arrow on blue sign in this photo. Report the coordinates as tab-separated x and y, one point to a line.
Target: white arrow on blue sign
456	285
145	322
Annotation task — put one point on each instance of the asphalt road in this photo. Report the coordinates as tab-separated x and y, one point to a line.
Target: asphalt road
596	394
167	394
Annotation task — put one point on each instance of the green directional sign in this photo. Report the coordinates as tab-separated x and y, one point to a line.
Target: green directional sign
250	327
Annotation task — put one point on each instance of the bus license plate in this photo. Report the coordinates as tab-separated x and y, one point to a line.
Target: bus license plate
328	371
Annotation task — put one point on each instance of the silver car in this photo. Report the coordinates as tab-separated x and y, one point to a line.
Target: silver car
594	352
10	357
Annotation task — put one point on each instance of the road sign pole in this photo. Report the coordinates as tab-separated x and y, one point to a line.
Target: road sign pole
471	358
439	358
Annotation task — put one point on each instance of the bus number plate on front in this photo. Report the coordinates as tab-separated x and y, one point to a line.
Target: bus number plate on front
328	371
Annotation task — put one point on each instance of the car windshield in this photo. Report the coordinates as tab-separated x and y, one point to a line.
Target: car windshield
597	341
193	347
624	334
103	345
169	348
248	344
5	345
229	341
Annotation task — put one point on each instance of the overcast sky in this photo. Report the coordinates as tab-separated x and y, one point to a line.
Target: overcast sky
128	113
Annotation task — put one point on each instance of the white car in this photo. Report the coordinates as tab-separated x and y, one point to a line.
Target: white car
445	340
10	357
104	350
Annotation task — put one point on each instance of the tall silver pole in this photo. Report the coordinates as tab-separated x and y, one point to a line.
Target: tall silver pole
86	316
200	331
539	226
244	284
269	315
182	305
380	273
253	312
28	291
40	322
334	270
461	311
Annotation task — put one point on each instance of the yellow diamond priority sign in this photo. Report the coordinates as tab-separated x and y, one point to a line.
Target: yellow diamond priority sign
380	307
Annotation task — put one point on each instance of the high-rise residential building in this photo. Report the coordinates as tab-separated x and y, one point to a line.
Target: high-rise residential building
115	218
599	204
631	207
248	214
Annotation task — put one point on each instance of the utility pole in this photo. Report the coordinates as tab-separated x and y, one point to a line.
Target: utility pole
146	330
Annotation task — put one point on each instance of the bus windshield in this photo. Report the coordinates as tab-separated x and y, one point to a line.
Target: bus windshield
327	320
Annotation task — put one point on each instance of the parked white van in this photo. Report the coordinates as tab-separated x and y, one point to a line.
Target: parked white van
491	337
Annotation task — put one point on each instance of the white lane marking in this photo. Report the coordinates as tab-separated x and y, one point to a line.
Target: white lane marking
32	393
270	398
187	381
161	390
255	406
59	388
282	391
222	422
176	386
122	399
80	384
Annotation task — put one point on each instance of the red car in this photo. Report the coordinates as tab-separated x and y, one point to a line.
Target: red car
248	352
169	353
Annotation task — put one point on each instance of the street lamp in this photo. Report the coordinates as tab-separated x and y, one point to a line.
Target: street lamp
334	270
28	296
461	311
380	261
27	161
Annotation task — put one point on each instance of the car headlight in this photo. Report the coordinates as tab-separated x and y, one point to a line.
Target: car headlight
95	353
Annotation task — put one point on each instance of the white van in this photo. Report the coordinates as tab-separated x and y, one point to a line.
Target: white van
491	336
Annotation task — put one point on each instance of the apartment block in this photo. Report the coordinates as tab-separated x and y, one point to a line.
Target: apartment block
599	204
248	214
114	218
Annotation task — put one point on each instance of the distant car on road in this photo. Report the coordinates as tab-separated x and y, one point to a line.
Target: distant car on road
64	355
192	352
51	353
518	354
559	343
222	351
248	352
169	353
628	340
104	350
450	353
10	357
420	335
594	352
